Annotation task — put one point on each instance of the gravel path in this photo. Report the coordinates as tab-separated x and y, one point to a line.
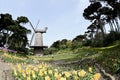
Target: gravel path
5	71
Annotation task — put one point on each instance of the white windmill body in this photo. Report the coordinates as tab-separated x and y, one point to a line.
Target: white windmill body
38	40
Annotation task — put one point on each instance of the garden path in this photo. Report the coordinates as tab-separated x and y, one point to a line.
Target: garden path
5	73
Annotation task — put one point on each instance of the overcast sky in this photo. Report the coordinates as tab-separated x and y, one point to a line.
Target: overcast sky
62	17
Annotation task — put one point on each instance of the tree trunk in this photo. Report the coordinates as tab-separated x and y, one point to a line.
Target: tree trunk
114	25
118	26
111	26
101	27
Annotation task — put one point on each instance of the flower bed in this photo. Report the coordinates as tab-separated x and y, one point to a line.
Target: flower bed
12	58
44	71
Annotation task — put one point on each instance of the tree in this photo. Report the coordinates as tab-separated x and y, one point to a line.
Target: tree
12	32
5	22
56	44
78	41
115	13
111	12
92	13
101	12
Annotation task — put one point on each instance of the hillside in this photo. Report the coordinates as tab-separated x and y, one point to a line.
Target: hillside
108	58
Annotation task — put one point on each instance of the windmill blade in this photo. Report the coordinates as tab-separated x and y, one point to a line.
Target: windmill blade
46	28
32	26
32	39
37	24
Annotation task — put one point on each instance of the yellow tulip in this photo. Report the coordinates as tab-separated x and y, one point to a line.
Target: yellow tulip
90	69
97	76
28	71
56	70
62	78
24	75
19	68
67	74
45	72
47	78
60	74
74	72
56	75
40	66
43	69
41	73
50	71
82	73
33	74
35	69
15	72
75	77
28	78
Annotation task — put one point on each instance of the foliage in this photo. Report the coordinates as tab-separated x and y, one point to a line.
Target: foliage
111	38
110	56
78	41
13	34
100	13
60	45
50	51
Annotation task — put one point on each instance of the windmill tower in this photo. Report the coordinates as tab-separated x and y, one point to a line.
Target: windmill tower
38	40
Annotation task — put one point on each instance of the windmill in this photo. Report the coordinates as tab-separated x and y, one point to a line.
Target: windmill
38	40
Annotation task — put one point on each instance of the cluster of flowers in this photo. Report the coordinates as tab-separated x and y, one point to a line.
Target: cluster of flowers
12	58
44	71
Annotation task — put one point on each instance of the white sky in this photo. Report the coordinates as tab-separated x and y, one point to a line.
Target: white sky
62	17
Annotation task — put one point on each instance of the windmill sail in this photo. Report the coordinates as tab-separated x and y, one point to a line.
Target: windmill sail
32	39
32	26
37	24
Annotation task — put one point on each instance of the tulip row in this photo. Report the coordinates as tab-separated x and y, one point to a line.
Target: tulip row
44	71
12	58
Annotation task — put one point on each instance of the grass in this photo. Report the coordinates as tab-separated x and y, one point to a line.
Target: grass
105	56
54	57
110	59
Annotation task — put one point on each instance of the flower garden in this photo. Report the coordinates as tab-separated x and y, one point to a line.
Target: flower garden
45	71
23	70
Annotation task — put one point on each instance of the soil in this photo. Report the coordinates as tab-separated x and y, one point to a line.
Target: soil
5	71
